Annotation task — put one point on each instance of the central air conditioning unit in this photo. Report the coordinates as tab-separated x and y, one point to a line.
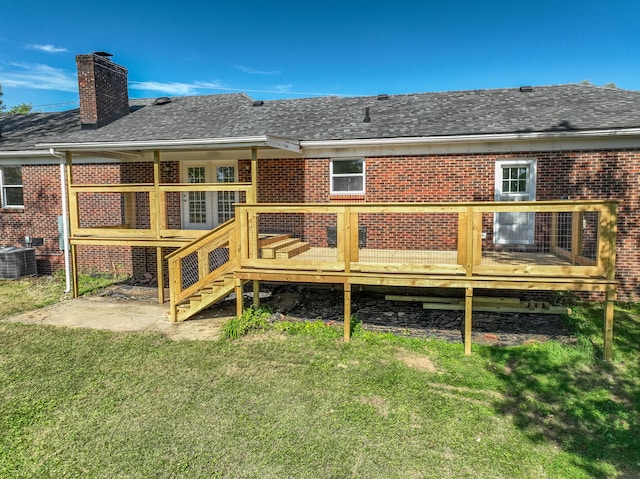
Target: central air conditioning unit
17	262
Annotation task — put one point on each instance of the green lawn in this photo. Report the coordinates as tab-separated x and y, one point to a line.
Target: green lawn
295	402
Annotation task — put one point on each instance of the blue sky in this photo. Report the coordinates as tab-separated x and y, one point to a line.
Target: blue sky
286	49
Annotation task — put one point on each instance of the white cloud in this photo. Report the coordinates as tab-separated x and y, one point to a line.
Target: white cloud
254	71
175	88
47	48
36	76
197	87
283	88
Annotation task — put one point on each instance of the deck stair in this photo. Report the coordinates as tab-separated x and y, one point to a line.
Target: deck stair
282	247
205	297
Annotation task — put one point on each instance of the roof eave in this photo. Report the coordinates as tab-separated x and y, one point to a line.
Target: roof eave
24	153
476	138
263	141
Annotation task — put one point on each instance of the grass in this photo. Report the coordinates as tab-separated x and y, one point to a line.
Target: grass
32	293
293	400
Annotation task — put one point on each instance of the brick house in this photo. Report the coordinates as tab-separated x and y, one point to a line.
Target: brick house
575	142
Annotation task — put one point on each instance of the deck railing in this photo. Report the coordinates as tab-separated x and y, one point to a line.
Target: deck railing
546	239
196	265
135	213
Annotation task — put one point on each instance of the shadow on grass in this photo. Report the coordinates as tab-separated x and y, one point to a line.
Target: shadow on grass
589	408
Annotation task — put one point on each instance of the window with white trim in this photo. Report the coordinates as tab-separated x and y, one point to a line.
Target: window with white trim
11	187
348	176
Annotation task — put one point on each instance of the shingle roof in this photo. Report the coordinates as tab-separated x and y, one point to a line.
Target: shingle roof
544	109
22	132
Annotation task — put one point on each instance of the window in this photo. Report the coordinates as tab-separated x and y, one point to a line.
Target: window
347	176
11	184
515	179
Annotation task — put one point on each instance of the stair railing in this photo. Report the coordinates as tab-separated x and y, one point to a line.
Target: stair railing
196	265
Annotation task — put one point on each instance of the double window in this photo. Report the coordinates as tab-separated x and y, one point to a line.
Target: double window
348	177
11	187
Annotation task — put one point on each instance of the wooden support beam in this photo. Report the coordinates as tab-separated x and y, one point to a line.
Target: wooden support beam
256	293
74	270
155	213
239	297
347	312
608	325
160	273
468	318
252	193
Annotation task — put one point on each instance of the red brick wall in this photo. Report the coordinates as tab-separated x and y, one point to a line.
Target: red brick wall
575	174
39	218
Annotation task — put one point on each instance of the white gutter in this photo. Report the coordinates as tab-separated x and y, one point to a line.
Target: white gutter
496	137
27	153
65	225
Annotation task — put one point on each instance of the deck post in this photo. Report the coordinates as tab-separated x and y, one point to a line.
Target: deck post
74	270
239	297
160	273
468	317
347	312
608	325
256	293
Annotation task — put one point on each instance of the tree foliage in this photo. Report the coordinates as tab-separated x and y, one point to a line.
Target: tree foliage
20	109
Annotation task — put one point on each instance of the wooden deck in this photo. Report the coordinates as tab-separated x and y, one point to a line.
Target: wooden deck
430	257
430	245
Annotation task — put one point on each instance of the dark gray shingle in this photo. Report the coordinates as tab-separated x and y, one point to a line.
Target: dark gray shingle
545	109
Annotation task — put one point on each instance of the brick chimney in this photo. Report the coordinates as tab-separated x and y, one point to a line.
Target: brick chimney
102	86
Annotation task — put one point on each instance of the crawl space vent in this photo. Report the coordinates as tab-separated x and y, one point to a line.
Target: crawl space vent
17	262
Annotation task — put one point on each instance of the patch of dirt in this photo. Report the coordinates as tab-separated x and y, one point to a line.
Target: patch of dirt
129	308
416	361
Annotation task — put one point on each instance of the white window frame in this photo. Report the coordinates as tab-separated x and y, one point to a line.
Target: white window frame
346	175
3	188
517	163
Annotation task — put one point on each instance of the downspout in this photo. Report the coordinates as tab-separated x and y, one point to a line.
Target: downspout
65	225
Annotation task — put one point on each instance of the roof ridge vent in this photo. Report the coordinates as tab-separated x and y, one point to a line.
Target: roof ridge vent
526	89
383	96
258	103
163	100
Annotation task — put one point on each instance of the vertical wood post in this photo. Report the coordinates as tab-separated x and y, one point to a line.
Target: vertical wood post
175	286
74	270
347	312
256	293
468	319
252	193
74	223
160	273
239	297
608	325
155	213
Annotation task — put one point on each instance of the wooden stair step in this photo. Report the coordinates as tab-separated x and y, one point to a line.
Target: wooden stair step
292	250
270	251
272	239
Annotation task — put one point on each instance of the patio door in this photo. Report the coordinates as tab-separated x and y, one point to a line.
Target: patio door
208	209
515	181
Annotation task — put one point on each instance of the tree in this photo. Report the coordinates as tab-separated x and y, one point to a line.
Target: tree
20	109
15	110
